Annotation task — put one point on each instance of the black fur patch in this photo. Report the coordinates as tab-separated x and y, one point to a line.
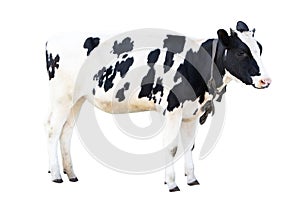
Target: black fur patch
158	87
174	44
123	66
153	57
90	44
52	64
126	85
147	86
192	84
148	80
125	46
106	76
120	94
168	61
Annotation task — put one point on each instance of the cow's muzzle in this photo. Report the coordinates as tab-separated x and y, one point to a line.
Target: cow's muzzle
262	83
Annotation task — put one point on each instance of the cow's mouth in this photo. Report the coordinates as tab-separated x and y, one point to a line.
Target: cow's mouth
262	87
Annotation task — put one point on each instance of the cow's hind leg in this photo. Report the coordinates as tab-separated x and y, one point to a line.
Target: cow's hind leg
187	130
65	140
54	125
171	130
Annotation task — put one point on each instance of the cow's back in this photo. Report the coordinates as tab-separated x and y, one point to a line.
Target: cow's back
142	81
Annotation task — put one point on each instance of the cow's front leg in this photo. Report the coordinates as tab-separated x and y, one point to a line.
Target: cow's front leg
188	130
171	131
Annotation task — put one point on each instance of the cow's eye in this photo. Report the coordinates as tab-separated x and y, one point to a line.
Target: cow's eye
242	54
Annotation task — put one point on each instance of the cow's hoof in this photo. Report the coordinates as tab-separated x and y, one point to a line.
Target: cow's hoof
65	172
175	189
58	180
73	179
165	183
49	172
195	182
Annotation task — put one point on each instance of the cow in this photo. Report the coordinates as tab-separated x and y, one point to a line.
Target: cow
175	80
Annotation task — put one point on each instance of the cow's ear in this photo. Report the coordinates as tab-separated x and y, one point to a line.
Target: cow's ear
241	26
223	37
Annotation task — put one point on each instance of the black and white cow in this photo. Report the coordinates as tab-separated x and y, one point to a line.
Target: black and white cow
173	79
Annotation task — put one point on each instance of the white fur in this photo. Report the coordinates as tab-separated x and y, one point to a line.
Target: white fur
173	121
188	131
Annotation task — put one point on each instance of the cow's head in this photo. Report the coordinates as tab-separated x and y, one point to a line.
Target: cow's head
242	56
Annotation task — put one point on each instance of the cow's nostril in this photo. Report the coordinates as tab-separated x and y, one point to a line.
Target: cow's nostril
265	81
262	82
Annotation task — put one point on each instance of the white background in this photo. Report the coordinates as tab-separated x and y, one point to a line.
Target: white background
258	154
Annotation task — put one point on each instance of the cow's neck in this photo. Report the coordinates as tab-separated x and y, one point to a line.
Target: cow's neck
219	58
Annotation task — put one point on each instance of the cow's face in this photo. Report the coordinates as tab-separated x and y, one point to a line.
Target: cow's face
242	56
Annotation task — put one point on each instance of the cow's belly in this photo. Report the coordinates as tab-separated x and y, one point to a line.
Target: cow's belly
110	102
115	107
